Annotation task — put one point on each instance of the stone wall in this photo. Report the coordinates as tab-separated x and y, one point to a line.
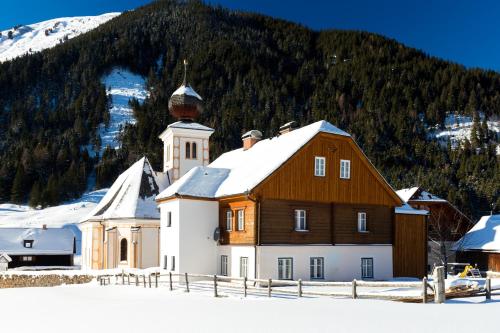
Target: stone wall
45	280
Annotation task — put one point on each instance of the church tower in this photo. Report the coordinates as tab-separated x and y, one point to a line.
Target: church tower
185	142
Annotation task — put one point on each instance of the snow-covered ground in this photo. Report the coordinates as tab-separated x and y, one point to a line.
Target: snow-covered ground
121	86
93	308
39	36
458	128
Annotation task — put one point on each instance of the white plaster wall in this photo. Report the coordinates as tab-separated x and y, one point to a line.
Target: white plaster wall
149	243
341	262
86	261
234	253
169	236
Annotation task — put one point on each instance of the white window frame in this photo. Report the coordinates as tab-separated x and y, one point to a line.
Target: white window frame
345	169
317	268
367	268
169	219
229	220
241	219
362	222
285	268
300	220
243	266
223	265
319	166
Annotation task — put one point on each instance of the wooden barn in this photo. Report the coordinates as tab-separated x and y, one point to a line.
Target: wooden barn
481	245
38	246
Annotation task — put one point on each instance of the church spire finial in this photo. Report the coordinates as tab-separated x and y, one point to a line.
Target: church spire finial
184	82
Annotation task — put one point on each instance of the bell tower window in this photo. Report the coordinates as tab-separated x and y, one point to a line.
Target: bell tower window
193	150
188	150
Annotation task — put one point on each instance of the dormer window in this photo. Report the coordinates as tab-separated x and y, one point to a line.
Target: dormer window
28	244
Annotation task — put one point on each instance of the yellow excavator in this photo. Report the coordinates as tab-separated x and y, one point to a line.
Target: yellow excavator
469	269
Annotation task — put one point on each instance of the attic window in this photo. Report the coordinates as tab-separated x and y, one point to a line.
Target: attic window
28	244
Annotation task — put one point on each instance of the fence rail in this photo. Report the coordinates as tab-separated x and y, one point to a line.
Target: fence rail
267	286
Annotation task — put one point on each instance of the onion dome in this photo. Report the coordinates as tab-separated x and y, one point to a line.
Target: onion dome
185	103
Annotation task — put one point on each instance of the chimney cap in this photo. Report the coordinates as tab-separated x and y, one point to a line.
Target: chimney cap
254	134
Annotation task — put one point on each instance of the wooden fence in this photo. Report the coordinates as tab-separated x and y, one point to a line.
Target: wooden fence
269	286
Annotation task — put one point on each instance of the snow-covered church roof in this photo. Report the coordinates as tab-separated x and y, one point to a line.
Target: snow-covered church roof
49	241
485	235
240	170
132	195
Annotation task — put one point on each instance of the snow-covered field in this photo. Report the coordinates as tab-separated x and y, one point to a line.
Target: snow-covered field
39	36
115	308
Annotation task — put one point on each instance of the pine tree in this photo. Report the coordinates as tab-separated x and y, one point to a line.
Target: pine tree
35	195
19	191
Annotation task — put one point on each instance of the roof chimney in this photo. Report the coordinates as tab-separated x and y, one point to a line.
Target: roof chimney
44	227
250	138
288	127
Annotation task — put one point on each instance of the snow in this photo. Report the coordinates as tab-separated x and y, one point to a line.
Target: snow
49	241
407	209
121	86
187	90
417	194
56	309
247	168
31	38
126	199
190	125
485	235
199	182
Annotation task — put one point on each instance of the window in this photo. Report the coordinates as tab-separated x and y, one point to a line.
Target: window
300	220
27	258
28	243
193	150
319	166
229	220
188	150
223	265
317	268
367	268
285	268
243	266
168	153
345	169
123	249
241	219
362	222
172	265
165	259
169	219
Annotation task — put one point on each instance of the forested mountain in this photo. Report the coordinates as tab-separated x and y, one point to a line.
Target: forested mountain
254	72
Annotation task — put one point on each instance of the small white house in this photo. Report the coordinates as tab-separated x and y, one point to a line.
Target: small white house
4	262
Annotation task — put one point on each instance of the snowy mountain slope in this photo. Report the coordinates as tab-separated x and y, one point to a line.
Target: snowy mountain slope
39	36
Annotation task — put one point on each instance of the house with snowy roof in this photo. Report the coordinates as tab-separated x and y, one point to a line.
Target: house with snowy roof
447	224
37	246
481	244
306	204
123	229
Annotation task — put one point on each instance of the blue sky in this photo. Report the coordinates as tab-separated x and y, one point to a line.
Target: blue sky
464	31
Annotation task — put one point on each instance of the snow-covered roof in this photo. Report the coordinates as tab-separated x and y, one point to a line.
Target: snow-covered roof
408	210
240	170
485	235
49	241
5	257
187	90
417	194
190	125
132	195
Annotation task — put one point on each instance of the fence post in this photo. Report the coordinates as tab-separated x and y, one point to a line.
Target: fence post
109	280
144	280
245	286
116	278
299	284
187	282
156	279
123	277
424	290
439	288
215	286
149	280
136	280
170	280
354	293
269	282
487	288
128	279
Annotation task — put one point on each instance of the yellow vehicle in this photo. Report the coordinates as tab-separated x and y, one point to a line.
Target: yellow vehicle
469	269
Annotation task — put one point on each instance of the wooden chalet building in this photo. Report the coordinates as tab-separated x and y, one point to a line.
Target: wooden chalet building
306	204
447	224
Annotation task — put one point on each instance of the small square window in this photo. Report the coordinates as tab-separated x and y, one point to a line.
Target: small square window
28	243
367	268
169	219
285	269
243	266
223	265
172	267
317	268
241	220
345	169
319	166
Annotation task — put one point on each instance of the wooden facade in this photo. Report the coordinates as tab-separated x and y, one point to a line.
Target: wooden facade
235	236
410	246
485	261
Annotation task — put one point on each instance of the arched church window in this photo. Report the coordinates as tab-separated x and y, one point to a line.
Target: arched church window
123	249
193	150
188	150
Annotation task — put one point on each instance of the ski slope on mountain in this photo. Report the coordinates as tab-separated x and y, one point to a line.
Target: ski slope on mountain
39	36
